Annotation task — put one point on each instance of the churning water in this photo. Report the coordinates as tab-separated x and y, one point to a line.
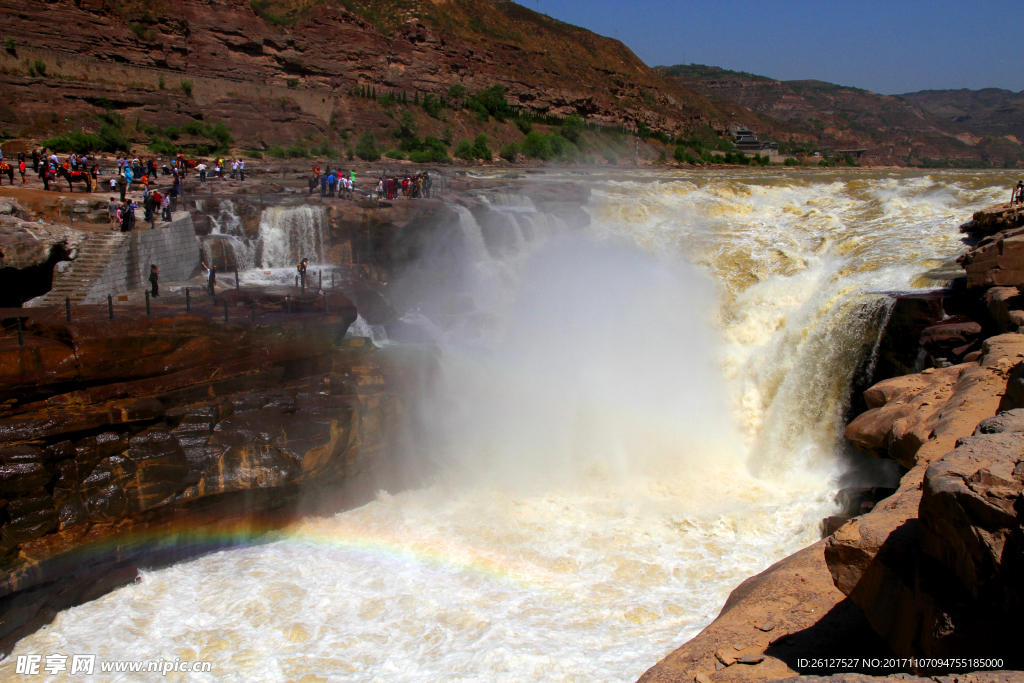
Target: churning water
650	417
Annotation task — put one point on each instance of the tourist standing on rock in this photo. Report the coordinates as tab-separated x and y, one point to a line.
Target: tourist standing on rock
234	169
303	264
1017	195
112	212
202	173
21	170
165	208
154	277
211	274
35	161
241	169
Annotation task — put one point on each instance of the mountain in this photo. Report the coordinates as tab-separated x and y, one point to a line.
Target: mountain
909	128
991	110
282	70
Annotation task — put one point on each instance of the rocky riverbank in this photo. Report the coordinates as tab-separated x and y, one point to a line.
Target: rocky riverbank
145	439
936	570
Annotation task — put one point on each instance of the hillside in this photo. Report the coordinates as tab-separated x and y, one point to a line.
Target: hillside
992	110
839	117
278	71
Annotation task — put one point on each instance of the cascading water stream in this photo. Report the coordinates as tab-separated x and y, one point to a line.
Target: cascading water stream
653	418
289	234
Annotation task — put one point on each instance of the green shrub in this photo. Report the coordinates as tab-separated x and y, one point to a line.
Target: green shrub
195	128
10	45
394	154
186	87
253	154
685	156
109	139
433	150
292	82
202	151
432	105
276	152
610	157
572	128
350	153
464	150
490	102
172	132
163	147
366	148
37	68
480	148
792	161
160	83
524	125
456	97
537	146
508	152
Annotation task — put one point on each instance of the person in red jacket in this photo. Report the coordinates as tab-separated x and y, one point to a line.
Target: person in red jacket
21	170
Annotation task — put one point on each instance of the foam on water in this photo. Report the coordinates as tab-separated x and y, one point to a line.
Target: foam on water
637	436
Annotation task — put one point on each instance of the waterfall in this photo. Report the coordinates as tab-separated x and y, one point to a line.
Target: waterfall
288	234
653	420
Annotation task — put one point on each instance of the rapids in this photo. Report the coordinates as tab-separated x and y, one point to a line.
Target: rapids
652	416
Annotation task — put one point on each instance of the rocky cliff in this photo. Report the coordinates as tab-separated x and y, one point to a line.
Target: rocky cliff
281	70
935	569
144	439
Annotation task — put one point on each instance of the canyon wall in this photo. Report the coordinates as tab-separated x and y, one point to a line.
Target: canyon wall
147	439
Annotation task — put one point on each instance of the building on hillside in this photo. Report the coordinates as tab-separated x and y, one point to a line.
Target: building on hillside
746	141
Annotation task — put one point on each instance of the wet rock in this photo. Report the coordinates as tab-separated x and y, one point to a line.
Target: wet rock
22	477
1004	305
952	338
72	512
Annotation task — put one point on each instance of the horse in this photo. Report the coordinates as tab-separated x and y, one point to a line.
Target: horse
76	177
8	170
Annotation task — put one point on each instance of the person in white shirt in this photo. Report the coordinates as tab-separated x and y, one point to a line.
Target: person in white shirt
202	172
241	168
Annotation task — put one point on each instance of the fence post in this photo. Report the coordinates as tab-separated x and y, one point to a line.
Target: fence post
21	340
188	300
321	274
236	277
110	306
67	308
148	312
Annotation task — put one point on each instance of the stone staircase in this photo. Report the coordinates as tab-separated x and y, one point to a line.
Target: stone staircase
79	276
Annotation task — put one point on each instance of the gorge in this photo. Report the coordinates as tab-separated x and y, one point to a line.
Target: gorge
682	347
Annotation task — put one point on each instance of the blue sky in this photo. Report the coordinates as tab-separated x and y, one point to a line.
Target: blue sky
888	47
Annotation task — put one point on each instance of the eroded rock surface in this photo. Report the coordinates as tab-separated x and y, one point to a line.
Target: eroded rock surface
132	442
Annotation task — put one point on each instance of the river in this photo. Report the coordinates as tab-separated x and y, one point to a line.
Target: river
648	413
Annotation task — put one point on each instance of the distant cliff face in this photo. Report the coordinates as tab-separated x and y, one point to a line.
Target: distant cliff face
918	125
991	110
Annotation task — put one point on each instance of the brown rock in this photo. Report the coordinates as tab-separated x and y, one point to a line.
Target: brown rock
997	260
809	613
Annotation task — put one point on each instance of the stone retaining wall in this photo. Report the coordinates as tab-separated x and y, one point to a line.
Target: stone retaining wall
174	249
